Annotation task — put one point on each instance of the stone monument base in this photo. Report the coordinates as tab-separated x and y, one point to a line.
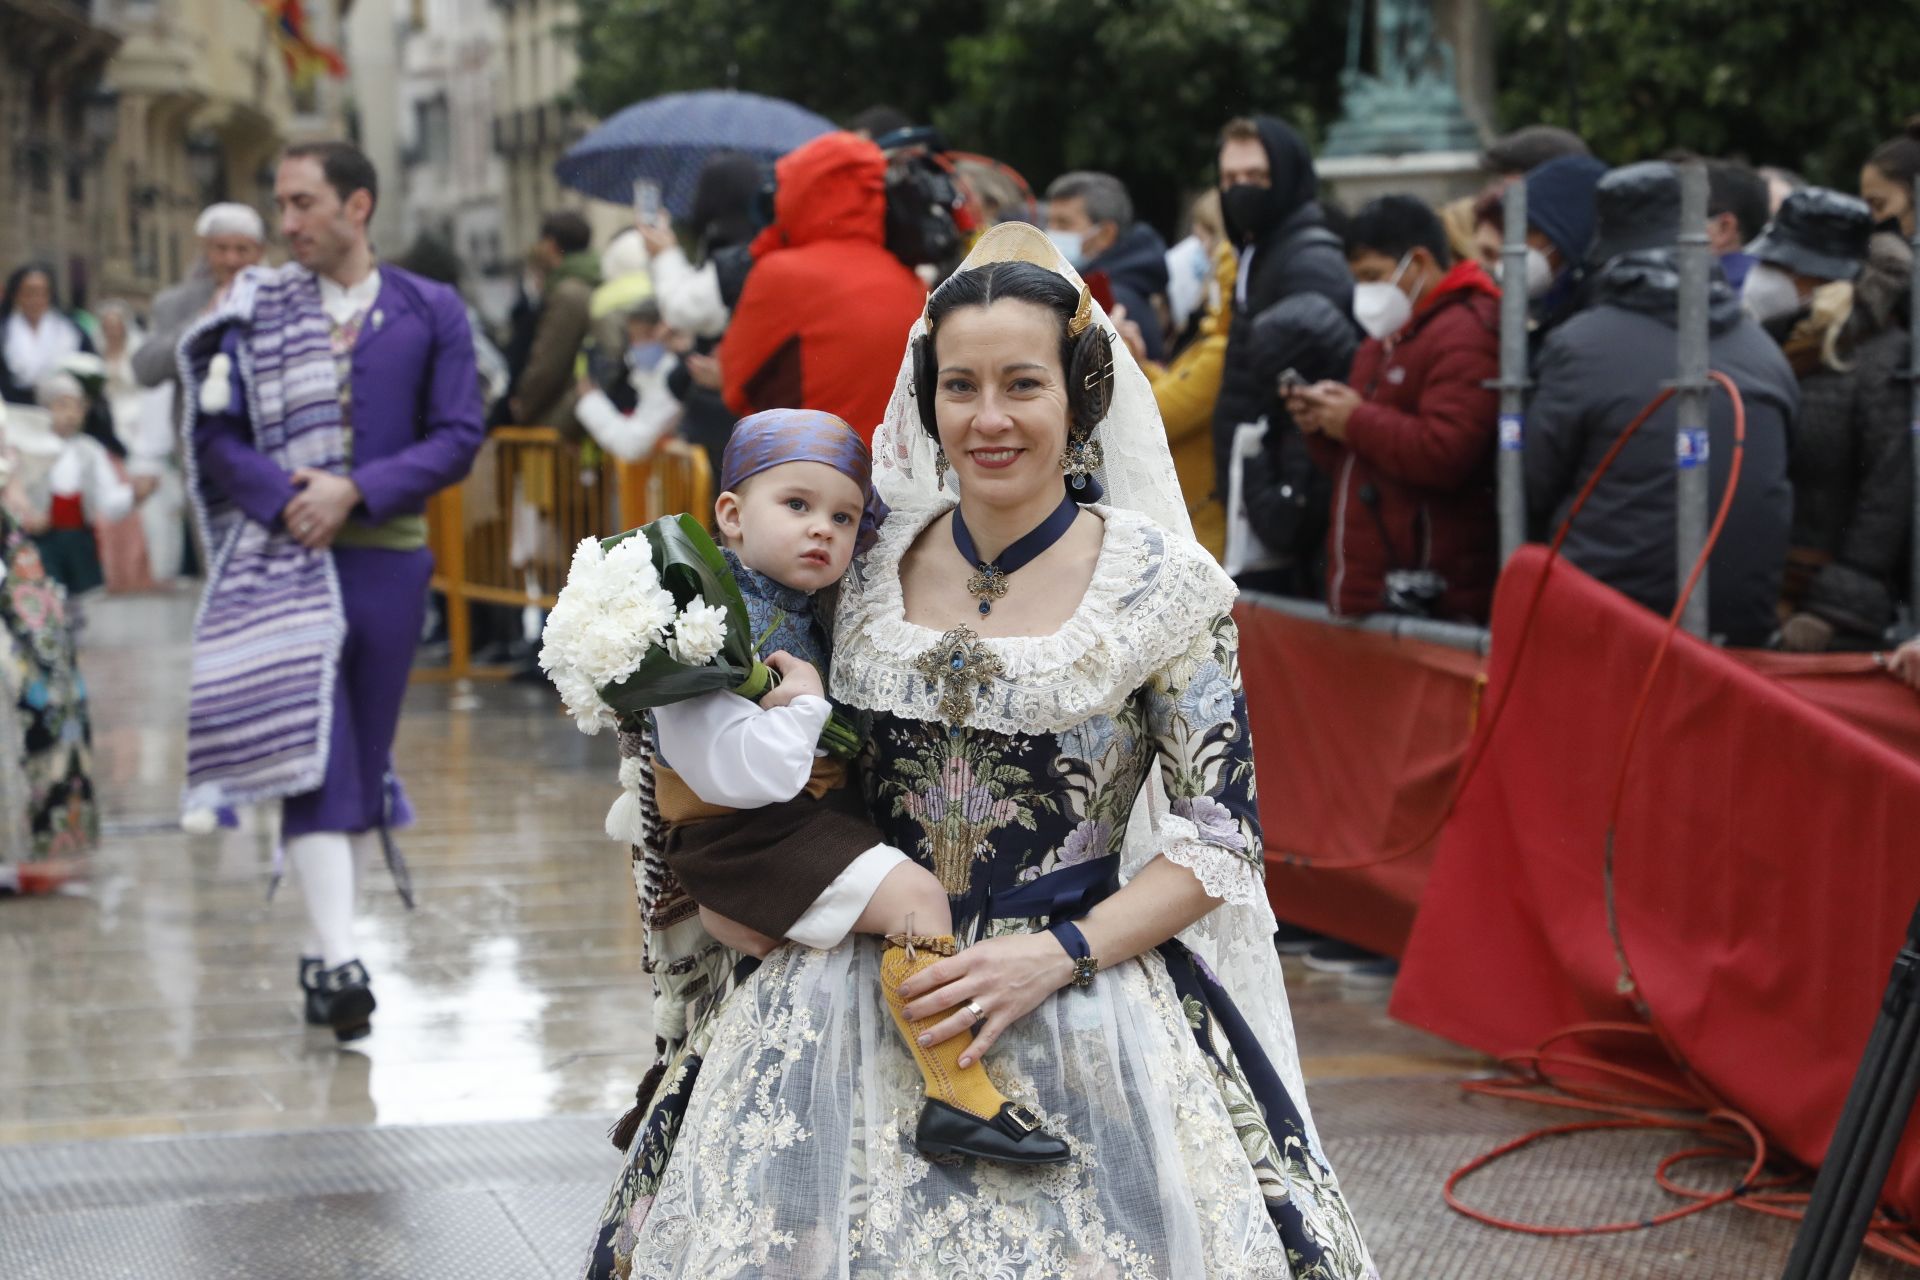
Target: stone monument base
1433	176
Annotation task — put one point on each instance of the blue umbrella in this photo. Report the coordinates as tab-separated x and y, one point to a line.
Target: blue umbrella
669	138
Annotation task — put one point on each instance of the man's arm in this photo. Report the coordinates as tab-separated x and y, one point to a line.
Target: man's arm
173	311
453	431
1449	435
223	449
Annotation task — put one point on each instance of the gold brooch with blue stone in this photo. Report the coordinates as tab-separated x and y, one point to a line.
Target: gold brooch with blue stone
960	666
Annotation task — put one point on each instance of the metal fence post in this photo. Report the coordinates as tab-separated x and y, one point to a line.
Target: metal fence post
1511	476
1913	389
1692	491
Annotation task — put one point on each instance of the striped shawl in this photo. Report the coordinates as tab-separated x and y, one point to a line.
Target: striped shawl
267	639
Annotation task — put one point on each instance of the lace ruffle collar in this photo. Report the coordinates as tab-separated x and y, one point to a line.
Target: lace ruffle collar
1151	599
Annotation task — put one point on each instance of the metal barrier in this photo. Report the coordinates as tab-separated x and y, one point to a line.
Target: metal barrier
506	534
1452	635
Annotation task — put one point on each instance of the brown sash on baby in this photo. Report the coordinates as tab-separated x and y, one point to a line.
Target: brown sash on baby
679	804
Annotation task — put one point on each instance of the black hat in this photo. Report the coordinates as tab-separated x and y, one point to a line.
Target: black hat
1819	233
1636	207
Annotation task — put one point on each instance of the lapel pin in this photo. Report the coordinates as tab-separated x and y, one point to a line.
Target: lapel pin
379	318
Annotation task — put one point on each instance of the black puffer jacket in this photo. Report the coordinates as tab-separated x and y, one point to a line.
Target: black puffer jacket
1135	265
1293	252
1852	458
1594	374
1286	495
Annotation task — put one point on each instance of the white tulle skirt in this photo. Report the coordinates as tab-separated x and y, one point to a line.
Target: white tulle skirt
796	1156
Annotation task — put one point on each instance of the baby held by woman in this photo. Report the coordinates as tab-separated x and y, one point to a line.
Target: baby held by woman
765	831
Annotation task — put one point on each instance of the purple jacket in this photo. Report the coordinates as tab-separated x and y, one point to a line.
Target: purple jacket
416	410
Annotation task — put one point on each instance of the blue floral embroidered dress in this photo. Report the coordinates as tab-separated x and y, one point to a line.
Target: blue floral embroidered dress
1011	767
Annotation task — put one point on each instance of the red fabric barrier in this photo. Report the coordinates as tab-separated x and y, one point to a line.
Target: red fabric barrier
1765	865
1358	737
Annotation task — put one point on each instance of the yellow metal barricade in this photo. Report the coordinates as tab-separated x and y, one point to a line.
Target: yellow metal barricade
506	534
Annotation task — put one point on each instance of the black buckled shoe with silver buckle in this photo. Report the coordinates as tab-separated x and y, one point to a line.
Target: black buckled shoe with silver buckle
344	1001
311	967
1013	1136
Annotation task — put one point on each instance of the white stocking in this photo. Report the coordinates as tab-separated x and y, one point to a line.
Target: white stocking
324	863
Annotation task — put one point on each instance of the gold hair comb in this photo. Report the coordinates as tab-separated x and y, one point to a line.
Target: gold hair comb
1082	314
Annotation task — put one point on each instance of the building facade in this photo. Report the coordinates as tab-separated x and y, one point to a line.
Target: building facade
452	180
57	121
124	118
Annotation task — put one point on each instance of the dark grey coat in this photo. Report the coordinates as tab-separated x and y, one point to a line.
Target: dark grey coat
1594	374
174	311
1852	469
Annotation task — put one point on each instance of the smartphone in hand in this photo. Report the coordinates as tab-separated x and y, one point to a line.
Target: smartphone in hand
646	201
1291	381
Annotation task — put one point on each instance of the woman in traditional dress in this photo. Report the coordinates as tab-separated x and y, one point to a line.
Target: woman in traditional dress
1058	731
47	817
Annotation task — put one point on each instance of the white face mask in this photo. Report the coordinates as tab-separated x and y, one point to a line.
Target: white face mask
1769	293
1380	307
1539	273
1071	244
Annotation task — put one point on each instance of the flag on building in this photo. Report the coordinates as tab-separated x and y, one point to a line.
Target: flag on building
305	57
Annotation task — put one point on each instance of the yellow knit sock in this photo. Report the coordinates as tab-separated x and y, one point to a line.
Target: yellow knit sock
964	1087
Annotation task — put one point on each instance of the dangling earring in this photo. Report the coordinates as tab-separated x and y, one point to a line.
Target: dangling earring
1082	458
940	466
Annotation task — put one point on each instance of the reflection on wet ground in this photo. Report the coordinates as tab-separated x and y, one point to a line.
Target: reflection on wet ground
161	997
159	1001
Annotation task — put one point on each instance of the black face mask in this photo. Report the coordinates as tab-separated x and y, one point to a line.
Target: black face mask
1249	211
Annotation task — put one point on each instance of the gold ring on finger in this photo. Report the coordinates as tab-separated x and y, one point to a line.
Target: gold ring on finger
979	1014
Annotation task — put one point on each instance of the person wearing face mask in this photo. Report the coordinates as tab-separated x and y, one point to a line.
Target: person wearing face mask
1268	191
1737	211
1601	367
1090	220
1835	294
1559	229
1408	439
1886	180
631	416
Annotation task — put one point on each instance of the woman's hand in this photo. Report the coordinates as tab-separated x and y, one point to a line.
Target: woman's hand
731	933
1007	977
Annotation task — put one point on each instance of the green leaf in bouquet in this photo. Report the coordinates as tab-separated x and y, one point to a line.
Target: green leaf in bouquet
660	680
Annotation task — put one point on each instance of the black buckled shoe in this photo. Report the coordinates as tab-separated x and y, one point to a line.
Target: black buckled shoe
344	1001
311	968
1013	1136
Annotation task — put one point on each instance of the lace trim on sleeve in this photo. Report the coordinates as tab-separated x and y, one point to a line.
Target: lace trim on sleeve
1223	873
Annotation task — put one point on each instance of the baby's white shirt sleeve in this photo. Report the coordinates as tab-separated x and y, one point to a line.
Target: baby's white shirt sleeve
732	752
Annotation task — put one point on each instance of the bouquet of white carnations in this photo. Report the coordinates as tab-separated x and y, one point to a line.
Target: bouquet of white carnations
650	617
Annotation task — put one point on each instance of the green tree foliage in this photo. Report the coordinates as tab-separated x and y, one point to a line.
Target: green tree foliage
1813	87
1136	87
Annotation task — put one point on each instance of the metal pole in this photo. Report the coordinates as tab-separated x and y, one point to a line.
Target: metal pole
1693	496
1913	388
1511	476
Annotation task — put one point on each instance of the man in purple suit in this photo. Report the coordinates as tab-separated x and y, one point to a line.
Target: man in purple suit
334	396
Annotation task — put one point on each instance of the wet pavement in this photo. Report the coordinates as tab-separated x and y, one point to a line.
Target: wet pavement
164	1111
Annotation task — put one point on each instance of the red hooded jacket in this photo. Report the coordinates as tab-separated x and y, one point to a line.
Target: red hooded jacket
822	321
1413	483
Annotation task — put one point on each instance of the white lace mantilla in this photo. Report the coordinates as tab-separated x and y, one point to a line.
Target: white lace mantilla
1151	596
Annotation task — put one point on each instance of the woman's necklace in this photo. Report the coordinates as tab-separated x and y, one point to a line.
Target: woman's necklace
990	582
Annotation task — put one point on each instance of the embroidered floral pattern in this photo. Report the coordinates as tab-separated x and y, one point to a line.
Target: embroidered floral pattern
796	1153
